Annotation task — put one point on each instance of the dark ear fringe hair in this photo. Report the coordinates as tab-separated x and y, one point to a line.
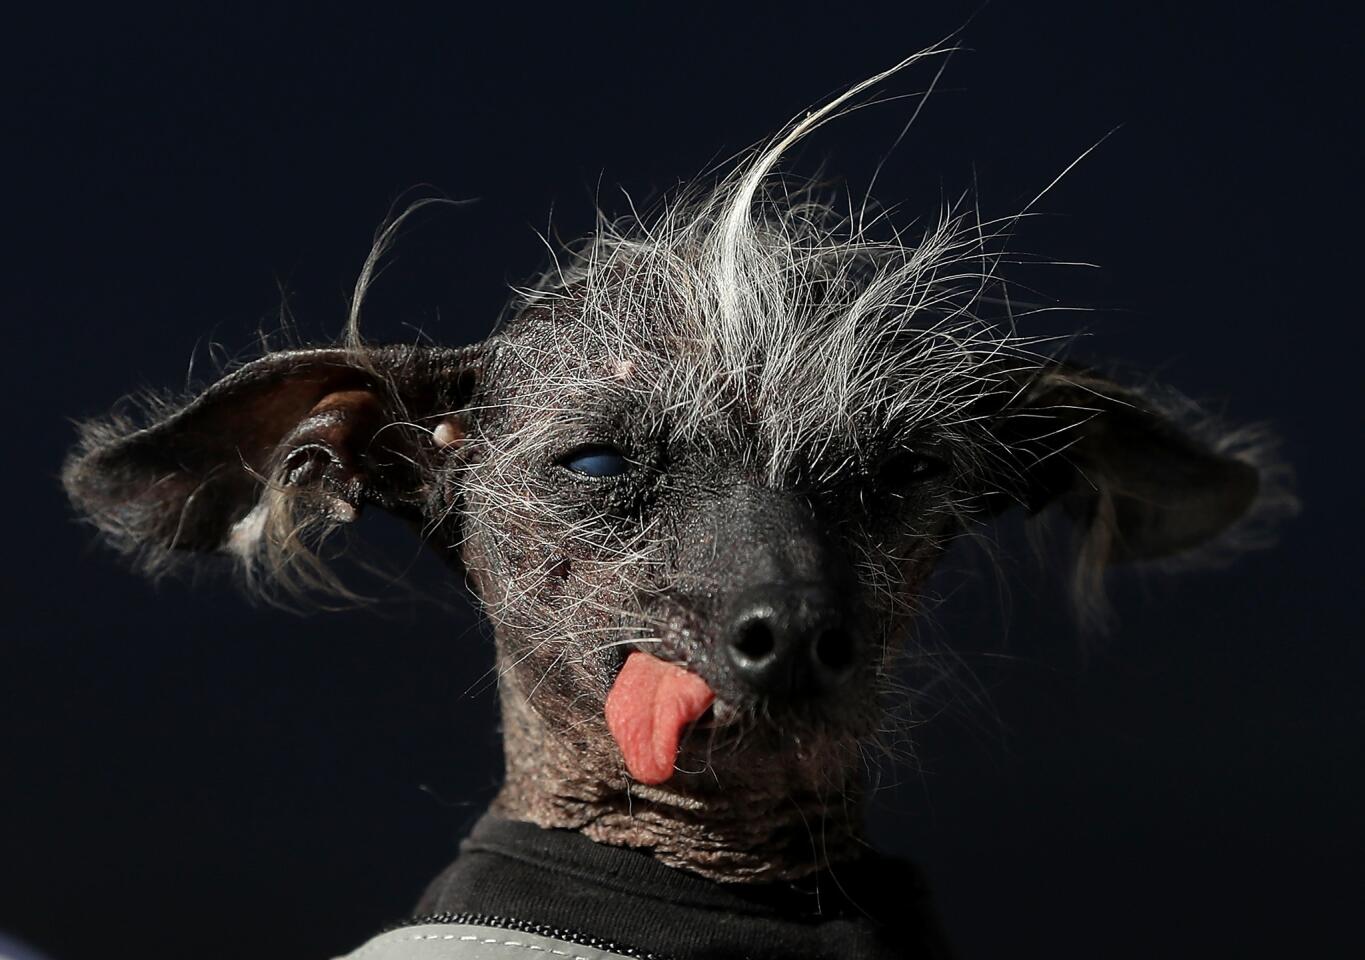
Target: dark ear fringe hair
281	566
276	551
1255	445
122	530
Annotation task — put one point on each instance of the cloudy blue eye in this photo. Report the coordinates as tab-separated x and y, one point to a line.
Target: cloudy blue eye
598	460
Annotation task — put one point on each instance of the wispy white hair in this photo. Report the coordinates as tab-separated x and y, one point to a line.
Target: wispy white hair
801	323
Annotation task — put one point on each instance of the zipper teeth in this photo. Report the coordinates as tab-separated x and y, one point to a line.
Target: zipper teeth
522	926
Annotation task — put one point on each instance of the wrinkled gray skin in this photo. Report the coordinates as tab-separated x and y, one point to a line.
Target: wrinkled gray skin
766	787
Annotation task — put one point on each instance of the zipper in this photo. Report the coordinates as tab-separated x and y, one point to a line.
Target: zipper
522	926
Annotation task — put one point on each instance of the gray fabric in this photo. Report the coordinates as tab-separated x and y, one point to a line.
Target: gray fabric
14	950
463	941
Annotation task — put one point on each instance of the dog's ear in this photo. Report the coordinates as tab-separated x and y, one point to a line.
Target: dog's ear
295	440
1140	479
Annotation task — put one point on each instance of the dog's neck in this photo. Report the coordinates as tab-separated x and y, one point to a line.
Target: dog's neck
730	826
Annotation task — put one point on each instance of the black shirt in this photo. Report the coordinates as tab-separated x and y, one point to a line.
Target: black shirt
875	908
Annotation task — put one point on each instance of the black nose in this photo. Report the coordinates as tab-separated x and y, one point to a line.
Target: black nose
788	640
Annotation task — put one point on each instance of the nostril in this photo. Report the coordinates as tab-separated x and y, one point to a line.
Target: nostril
754	640
788	641
834	650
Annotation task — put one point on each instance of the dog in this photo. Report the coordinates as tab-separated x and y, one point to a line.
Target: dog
697	480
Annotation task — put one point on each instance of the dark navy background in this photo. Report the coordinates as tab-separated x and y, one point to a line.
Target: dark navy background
184	773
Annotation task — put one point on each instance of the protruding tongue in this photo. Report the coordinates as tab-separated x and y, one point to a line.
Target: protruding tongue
649	706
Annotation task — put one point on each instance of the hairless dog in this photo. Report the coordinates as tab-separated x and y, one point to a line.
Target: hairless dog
696	479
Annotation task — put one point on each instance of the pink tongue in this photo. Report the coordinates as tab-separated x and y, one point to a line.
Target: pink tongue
649	706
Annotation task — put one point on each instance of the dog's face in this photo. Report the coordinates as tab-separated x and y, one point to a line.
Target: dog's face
611	506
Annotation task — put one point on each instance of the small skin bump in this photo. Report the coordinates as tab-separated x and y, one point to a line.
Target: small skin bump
447	433
623	369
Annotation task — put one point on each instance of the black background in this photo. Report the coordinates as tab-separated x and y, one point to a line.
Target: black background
184	773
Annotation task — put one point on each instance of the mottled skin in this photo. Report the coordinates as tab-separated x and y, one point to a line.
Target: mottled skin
762	791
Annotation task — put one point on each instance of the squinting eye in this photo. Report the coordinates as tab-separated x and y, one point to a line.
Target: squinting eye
906	467
599	460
